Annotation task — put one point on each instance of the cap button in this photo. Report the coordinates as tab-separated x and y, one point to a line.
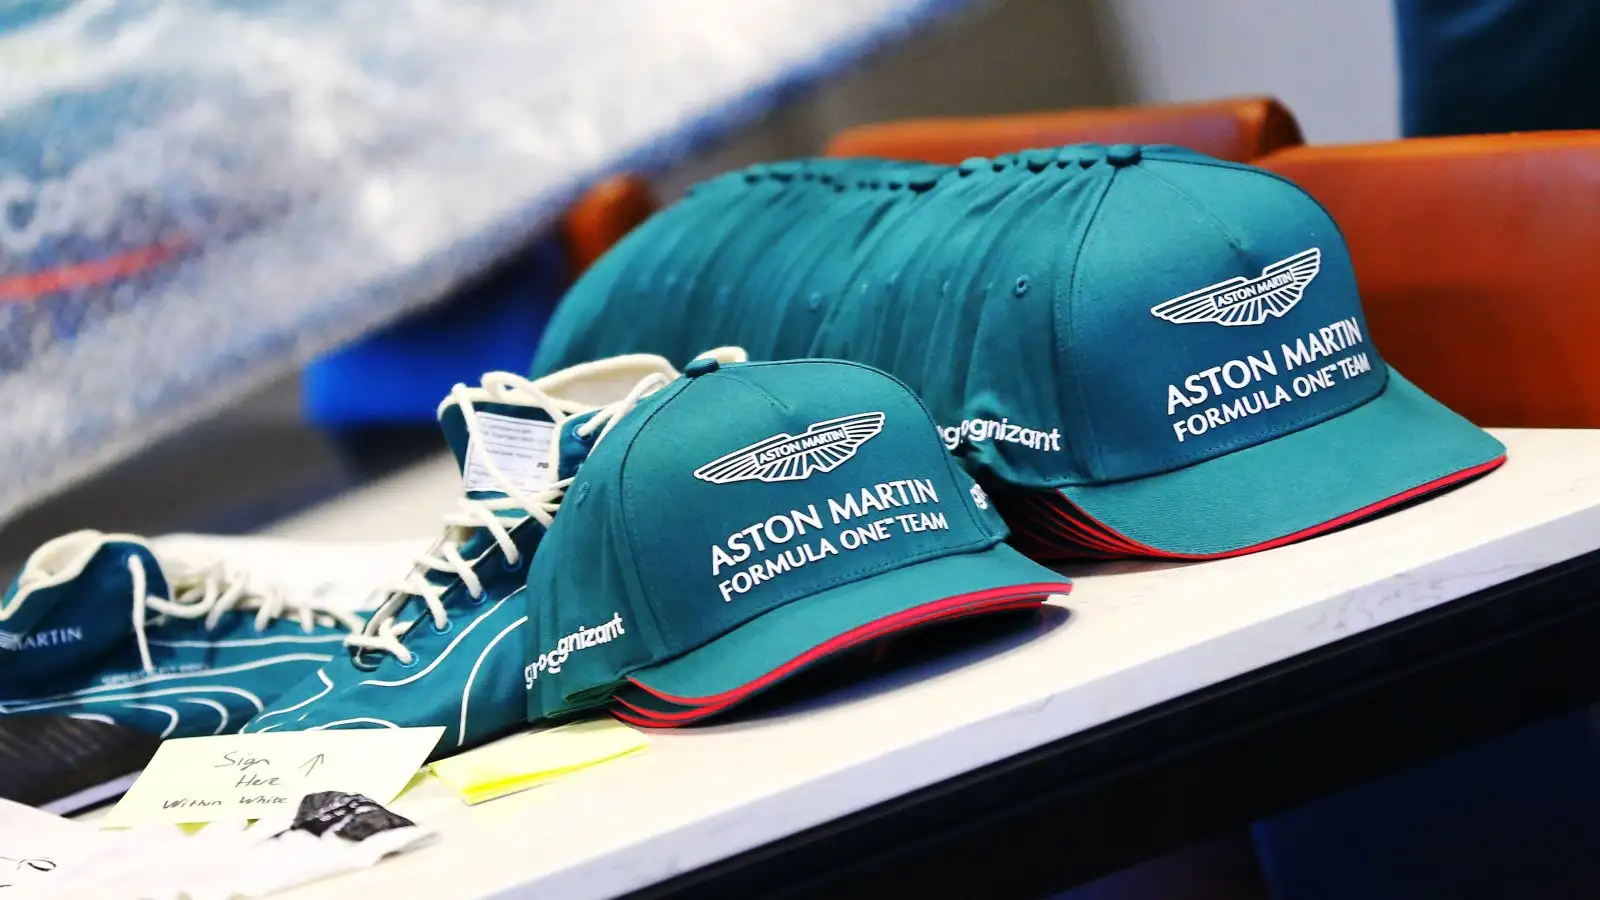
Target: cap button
1122	154
701	366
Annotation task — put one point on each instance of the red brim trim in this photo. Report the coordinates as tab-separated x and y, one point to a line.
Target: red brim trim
685	715
880	640
959	606
1048	526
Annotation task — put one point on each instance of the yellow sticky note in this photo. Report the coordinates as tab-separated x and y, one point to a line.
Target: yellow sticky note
529	759
249	776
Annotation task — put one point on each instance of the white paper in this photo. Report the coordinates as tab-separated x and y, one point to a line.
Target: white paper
519	448
222	861
37	848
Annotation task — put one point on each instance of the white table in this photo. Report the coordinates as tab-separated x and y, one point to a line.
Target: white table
1136	637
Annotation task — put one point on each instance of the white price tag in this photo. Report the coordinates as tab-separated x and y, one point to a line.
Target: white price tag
519	448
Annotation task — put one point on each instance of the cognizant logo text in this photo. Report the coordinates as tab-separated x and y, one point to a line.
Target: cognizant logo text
978	430
552	660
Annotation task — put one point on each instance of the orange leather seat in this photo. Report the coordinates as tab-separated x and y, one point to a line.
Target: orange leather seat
1239	129
602	216
1478	260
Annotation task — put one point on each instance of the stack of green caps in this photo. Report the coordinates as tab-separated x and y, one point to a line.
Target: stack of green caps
1142	351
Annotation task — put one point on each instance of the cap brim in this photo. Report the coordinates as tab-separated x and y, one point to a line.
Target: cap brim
637	705
1398	446
786	640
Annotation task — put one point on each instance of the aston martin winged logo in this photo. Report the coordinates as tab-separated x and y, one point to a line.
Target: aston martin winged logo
787	457
1247	301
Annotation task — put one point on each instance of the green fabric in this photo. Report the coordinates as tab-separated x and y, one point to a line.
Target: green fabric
81	608
467	677
653	553
1019	297
85	617
1403	439
79	657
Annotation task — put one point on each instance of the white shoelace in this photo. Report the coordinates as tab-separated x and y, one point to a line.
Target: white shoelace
211	590
383	633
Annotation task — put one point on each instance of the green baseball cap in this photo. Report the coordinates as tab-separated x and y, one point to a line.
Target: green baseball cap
1212	386
749	520
1142	351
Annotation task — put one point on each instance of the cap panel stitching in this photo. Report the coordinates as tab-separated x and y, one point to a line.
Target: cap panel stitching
626	538
1257	170
1200	208
1065	341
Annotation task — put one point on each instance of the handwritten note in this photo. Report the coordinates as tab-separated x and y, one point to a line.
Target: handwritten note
251	776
